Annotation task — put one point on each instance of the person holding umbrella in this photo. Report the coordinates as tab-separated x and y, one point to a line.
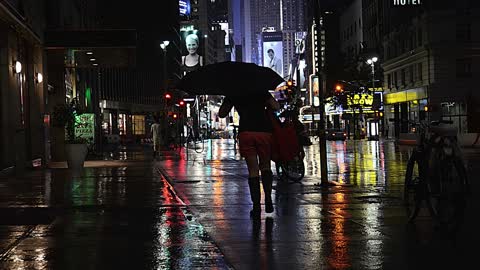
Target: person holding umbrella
246	87
255	142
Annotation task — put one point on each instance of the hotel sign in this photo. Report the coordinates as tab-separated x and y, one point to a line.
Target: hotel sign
407	2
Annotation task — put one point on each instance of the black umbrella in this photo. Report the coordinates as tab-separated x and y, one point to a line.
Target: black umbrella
230	79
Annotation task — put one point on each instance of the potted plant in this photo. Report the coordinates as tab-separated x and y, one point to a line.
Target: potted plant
64	116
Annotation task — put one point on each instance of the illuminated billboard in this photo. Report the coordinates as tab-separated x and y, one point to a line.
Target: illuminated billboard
300	38
314	90
184	6
224	27
273	51
192	56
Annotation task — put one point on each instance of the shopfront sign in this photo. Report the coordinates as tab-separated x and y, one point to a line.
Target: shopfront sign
363	100
404	96
407	2
85	126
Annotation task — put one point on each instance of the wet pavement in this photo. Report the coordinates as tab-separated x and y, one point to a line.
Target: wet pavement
192	212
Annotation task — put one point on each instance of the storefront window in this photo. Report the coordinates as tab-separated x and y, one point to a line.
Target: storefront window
138	124
107	123
122	123
456	112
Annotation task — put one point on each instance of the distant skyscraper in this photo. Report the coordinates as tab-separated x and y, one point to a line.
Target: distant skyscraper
252	17
258	15
293	21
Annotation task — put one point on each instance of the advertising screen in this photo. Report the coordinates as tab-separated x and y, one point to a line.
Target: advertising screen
273	51
272	56
314	90
192	49
300	42
184	6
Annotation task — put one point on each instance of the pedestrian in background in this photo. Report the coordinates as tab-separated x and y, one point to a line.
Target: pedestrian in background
255	143
156	136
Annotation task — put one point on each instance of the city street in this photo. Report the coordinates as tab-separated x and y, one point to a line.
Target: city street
97	100
174	213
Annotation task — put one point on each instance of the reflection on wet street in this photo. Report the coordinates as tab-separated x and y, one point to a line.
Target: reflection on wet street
111	218
124	215
359	225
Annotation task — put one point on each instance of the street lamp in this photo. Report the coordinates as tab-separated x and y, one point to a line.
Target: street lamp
372	62
164	46
18	67
373	126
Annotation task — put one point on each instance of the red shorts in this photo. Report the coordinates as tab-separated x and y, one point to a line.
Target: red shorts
252	143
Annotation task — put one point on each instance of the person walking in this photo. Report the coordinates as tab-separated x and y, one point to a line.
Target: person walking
155	130
255	143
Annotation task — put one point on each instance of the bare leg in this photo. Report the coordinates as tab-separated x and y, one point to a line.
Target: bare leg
267	179
252	164
254	185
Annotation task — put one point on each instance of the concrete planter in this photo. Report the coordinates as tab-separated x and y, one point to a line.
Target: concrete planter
76	154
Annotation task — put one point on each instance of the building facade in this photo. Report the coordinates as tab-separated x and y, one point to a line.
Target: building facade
351	30
23	88
53	52
429	72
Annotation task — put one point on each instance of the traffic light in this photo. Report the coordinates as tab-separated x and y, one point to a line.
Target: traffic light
168	99
290	83
338	88
181	103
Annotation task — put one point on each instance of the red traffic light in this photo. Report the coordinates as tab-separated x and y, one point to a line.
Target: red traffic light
181	103
168	96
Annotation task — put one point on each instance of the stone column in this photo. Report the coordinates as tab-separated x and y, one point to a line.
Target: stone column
56	78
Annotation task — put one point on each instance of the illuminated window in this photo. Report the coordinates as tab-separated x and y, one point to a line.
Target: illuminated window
122	123
138	122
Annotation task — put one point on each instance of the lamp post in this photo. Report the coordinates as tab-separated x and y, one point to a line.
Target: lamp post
164	121
164	46
320	72
372	62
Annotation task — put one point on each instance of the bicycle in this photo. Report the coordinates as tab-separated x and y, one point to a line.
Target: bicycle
293	170
436	175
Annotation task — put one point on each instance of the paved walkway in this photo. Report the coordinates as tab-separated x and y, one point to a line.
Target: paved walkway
361	225
174	213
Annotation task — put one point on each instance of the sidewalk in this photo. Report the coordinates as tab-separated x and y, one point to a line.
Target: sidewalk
122	214
118	215
359	226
